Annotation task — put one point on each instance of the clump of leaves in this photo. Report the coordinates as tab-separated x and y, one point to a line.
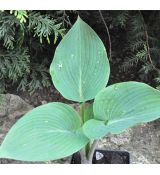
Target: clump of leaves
44	26
80	71
142	49
20	14
24	36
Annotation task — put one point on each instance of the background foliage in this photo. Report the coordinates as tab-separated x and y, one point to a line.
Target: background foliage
28	40
135	43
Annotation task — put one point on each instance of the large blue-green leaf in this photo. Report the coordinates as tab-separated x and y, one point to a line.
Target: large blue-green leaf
121	106
48	132
80	68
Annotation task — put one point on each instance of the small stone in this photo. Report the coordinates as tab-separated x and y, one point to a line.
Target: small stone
44	102
141	141
13	106
99	155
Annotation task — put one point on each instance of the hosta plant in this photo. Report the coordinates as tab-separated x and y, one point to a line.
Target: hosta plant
80	71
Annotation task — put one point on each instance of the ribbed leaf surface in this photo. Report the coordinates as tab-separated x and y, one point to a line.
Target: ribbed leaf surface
80	68
48	132
121	106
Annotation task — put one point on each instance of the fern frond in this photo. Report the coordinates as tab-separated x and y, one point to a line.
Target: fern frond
146	68
14	64
142	55
7	32
134	46
21	15
130	62
121	18
44	26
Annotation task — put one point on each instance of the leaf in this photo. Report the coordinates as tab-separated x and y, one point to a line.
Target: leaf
48	132
121	106
80	68
95	129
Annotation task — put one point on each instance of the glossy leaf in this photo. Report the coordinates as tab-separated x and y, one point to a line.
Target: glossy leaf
121	106
80	68
48	132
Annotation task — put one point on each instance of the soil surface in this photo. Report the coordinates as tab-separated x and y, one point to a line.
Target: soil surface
40	97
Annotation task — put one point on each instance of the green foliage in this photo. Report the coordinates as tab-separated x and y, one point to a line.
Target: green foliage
120	18
16	61
34	31
121	106
44	26
142	45
80	85
20	14
136	43
39	78
55	130
24	61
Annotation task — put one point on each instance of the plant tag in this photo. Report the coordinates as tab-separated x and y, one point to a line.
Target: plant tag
99	155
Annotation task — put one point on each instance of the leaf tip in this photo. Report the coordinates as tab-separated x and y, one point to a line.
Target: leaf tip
79	18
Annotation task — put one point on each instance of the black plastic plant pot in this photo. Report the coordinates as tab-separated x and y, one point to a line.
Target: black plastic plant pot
105	157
